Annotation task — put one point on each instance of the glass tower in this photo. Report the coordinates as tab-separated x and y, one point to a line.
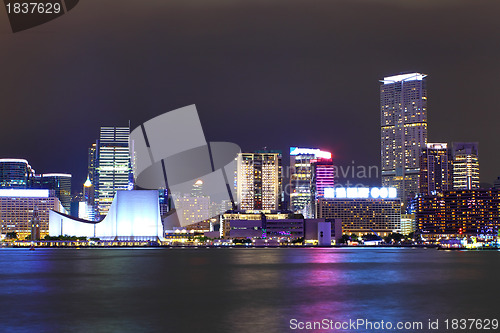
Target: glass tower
112	169
403	131
436	169
301	177
15	173
61	184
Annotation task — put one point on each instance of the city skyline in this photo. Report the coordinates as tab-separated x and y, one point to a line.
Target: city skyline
304	63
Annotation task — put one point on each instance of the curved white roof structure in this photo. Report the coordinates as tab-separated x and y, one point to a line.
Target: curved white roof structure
133	215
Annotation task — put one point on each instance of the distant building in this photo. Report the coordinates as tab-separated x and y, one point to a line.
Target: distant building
408	224
363	215
250	215
496	184
15	173
436	168
403	131
465	165
19	207
459	212
301	176
193	209
259	181
112	166
60	183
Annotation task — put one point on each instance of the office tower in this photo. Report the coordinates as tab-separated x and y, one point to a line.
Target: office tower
259	180
60	183
436	169
112	166
403	106
301	175
15	173
322	176
465	165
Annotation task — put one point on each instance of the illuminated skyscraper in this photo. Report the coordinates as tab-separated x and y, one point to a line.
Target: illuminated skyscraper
403	132
301	176
259	180
465	165
112	166
60	183
15	173
436	169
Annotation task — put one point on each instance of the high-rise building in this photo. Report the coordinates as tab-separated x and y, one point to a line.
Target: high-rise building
259	180
436	169
322	176
301	176
112	167
403	132
459	212
15	173
60	183
465	165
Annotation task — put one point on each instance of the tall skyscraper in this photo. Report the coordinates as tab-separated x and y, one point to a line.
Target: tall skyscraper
301	176
259	181
403	106
112	166
60	183
465	165
436	169
15	173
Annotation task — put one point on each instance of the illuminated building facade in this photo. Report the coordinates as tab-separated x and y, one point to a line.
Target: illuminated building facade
112	166
436	169
133	215
465	165
301	176
403	132
259	180
250	216
459	212
19	207
15	173
363	215
193	209
60	183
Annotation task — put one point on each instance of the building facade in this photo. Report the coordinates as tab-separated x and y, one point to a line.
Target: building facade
19	207
465	165
60	183
301	177
363	216
15	173
459	212
112	166
259	181
403	132
436	169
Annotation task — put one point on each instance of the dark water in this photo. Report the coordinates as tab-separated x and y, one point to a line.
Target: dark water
241	290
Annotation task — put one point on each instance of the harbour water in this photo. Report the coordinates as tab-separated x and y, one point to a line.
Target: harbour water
244	290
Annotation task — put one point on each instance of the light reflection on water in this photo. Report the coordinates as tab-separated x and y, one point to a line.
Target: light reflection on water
239	290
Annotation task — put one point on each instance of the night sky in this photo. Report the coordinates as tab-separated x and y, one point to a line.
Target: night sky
273	73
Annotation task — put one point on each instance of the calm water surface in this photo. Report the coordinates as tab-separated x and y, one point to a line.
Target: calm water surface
240	290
